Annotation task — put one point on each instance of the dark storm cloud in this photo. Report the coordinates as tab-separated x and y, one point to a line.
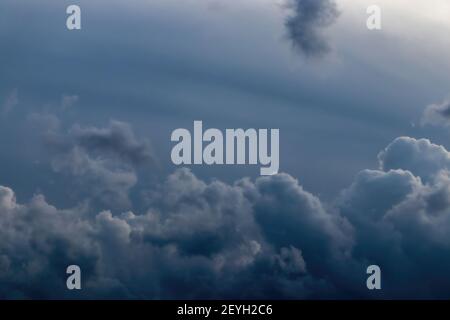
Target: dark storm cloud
405	234
401	217
37	240
260	238
251	239
156	254
288	215
306	24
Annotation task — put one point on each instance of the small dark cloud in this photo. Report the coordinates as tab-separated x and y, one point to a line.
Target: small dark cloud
117	140
305	25
437	114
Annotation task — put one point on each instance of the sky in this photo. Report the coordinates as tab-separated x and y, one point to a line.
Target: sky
86	176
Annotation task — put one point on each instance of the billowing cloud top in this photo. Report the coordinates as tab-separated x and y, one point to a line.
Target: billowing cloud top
267	238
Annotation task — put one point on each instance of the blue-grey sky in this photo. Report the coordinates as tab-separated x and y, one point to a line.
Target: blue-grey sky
162	64
137	70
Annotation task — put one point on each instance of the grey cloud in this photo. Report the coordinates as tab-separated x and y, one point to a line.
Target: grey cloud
401	218
291	260
67	101
437	114
116	140
366	204
10	102
37	241
267	238
47	124
103	161
103	180
289	215
305	25
423	158
152	255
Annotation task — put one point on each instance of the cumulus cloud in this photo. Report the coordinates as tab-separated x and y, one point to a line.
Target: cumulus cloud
421	157
103	161
106	181
306	23
37	240
401	218
204	242
437	114
117	140
263	238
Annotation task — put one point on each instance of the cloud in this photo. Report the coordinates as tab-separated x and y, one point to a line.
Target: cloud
306	23
437	114
37	240
11	101
421	157
289	215
47	124
205	243
401	218
106	181
67	101
263	238
117	140
102	161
